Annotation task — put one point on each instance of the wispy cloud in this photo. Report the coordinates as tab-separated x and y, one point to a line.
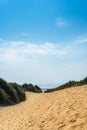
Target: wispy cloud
22	61
81	40
2	40
61	23
19	51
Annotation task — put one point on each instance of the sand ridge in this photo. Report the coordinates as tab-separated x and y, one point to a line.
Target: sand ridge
60	110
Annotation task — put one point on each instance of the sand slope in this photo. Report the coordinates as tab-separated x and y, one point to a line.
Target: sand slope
61	110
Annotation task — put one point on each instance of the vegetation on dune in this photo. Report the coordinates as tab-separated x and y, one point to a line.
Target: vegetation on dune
82	82
4	97
11	93
68	85
32	88
20	91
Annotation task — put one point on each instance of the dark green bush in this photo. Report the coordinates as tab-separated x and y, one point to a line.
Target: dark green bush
31	88
83	82
19	90
68	85
4	97
11	92
38	89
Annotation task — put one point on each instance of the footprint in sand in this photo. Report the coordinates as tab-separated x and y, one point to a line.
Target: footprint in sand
61	126
72	120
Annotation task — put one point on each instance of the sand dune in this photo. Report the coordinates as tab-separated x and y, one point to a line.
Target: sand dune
60	110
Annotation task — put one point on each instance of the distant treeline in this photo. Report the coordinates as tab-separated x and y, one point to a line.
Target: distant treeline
68	85
13	93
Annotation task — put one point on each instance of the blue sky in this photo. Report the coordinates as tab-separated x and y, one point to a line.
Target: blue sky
43	41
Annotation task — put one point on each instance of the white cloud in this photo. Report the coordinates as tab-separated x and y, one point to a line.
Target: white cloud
14	52
60	22
40	63
81	40
2	40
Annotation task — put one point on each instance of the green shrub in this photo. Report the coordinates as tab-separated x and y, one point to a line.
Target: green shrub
68	85
4	97
20	92
82	82
64	86
31	88
11	92
38	89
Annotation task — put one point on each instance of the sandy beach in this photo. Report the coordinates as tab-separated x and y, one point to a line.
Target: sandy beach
60	110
